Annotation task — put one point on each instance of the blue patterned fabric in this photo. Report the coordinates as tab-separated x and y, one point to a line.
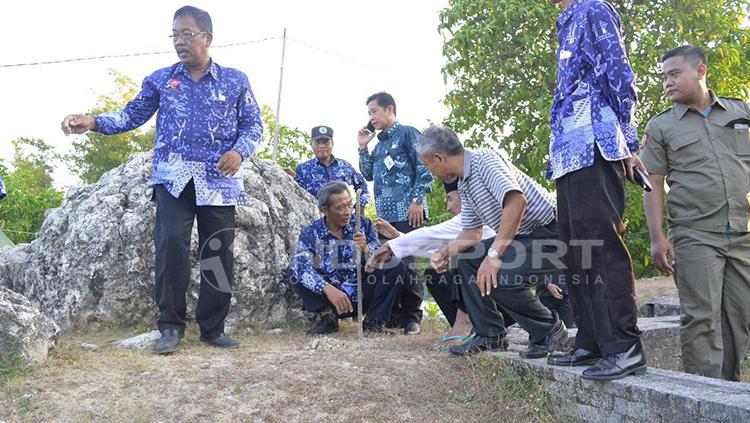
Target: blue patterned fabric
323	259
3	193
595	97
408	178
312	174
196	123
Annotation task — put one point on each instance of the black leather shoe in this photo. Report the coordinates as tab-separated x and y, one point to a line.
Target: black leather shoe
479	344
412	328
169	341
376	328
575	357
617	366
548	344
328	323
222	341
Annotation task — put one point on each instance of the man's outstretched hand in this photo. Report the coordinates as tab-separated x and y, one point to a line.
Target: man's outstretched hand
77	124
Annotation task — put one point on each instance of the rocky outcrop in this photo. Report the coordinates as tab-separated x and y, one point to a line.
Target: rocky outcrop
93	260
25	333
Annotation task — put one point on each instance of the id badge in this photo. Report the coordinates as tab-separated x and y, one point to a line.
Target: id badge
389	162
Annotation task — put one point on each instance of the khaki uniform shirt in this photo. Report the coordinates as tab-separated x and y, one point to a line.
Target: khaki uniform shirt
706	162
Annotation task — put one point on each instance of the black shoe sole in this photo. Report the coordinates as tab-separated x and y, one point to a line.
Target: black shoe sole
587	362
166	351
638	371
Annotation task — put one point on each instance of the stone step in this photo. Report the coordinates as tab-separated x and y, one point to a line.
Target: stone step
658	396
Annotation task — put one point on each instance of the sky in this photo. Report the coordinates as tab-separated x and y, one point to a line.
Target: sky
338	53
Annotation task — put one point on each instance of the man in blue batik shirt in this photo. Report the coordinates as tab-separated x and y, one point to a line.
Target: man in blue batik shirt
2	188
323	271
207	124
591	153
314	173
401	184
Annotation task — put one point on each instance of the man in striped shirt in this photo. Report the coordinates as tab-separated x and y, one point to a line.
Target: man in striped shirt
500	272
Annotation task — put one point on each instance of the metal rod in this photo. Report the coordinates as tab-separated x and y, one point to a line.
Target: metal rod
278	99
358	260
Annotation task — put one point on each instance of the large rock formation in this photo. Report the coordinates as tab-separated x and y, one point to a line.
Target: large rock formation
25	333
93	260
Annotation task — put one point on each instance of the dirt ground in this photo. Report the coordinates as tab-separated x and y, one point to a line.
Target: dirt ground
289	377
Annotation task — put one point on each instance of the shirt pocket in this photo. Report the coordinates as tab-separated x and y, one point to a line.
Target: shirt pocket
222	119
685	150
742	146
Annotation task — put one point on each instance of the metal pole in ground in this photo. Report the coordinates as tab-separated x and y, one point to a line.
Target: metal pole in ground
278	100
358	260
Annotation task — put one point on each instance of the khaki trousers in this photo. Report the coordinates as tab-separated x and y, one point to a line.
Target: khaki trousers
712	273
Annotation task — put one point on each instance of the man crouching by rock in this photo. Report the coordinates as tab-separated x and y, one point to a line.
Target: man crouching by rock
323	272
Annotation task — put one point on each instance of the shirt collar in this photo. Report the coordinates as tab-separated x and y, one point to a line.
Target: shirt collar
681	109
468	154
325	233
568	12
212	69
333	161
384	135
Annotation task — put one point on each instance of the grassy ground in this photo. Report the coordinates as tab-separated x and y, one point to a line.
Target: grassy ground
288	377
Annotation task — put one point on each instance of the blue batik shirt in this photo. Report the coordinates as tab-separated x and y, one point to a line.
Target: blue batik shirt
2	188
595	97
323	259
313	174
196	123
406	179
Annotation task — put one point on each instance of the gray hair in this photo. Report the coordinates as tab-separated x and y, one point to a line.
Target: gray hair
330	189
439	139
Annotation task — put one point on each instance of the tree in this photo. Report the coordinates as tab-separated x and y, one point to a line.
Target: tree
94	153
502	66
29	187
293	146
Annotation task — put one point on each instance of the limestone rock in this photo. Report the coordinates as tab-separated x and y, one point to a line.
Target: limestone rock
93	260
143	341
24	331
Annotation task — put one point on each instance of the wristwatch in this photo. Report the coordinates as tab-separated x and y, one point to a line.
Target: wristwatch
493	254
417	200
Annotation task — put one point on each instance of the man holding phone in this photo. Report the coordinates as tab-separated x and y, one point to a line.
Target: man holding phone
701	147
592	151
401	186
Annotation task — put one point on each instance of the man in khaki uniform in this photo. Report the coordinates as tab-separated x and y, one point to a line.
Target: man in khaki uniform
702	148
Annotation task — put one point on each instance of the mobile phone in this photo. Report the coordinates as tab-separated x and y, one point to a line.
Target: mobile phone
370	127
641	179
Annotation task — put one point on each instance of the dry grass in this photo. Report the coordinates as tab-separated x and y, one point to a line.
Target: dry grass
270	378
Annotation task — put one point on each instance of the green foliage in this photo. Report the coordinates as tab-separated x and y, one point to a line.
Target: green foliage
432	309
94	153
502	67
436	202
293	146
29	188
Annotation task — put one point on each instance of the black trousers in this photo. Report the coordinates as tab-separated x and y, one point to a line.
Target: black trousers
408	306
563	308
380	289
444	290
518	278
174	224
599	275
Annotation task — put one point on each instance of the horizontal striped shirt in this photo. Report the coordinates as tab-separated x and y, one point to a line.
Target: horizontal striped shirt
488	177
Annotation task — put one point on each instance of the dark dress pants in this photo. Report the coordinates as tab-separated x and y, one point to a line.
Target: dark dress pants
174	225
599	275
380	290
408	306
516	291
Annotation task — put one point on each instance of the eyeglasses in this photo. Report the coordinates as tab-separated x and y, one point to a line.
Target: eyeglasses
186	35
322	141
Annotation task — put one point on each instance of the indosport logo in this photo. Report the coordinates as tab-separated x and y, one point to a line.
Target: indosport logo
216	260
